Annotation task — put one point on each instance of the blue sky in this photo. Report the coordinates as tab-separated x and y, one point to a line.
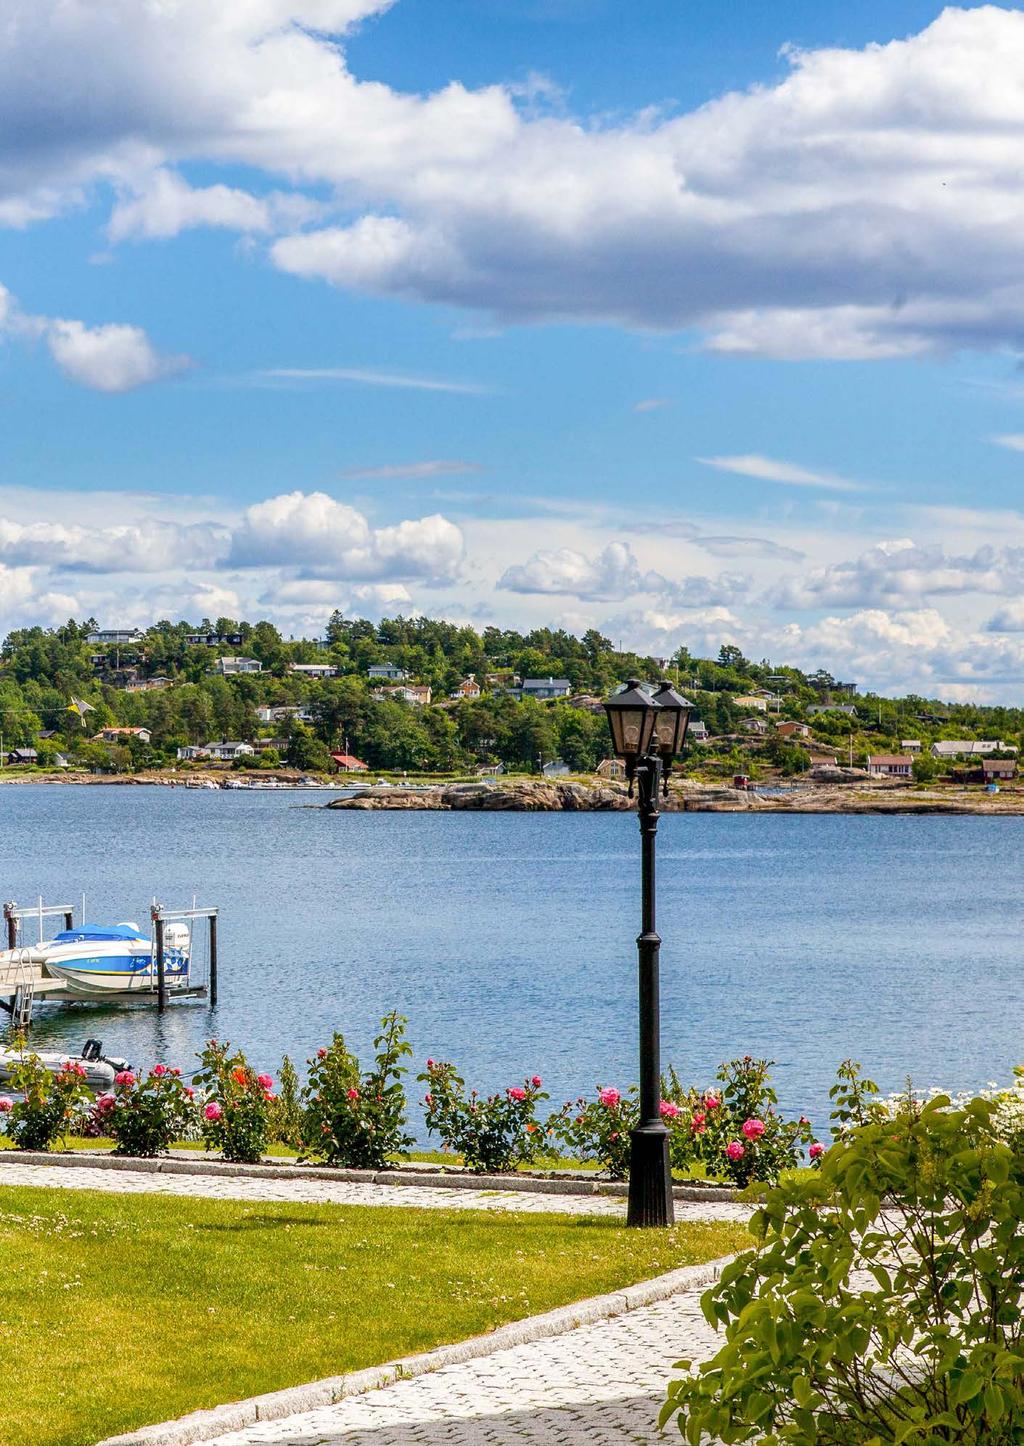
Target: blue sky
697	323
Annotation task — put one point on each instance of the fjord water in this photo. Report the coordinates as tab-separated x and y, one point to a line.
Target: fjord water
508	939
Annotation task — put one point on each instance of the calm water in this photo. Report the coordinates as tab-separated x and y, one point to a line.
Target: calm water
507	939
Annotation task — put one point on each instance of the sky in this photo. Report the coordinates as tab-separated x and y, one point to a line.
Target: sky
697	323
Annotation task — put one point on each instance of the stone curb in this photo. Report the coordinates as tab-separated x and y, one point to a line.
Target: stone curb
236	1416
173	1165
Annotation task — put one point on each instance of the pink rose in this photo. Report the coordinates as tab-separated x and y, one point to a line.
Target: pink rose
753	1129
516	1093
428	1099
816	1151
213	1111
6	1105
321	1053
105	1102
265	1081
176	1071
609	1097
430	1064
536	1081
735	1150
190	1092
159	1070
698	1121
353	1094
711	1102
124	1077
804	1120
669	1111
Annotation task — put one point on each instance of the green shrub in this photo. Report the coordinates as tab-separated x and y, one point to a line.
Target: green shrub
598	1129
144	1116
353	1119
491	1132
49	1101
882	1302
237	1102
286	1110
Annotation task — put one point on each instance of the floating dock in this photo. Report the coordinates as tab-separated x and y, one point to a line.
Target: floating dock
24	979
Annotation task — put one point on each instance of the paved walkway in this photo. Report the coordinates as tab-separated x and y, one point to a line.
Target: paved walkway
599	1385
340	1192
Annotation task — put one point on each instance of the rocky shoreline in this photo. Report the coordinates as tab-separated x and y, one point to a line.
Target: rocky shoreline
529	796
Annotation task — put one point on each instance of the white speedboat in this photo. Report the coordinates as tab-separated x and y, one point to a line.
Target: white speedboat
99	1069
100	960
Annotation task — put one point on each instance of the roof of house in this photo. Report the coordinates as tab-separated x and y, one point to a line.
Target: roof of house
546	683
889	759
348	760
998	763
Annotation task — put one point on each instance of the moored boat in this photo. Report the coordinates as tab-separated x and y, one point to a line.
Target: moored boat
99	960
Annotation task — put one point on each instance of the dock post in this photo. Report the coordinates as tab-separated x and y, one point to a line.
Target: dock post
11	915
213	961
161	978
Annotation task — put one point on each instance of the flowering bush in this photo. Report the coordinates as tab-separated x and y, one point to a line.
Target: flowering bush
599	1129
734	1128
852	1320
236	1114
144	1115
491	1133
354	1119
48	1104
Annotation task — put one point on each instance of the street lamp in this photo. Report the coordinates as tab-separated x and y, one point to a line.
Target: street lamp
647	734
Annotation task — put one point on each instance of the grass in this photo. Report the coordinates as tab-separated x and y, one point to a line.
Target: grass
121	1310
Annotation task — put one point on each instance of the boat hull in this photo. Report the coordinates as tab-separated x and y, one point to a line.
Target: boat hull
95	970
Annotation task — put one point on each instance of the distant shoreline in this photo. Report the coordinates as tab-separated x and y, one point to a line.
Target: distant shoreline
531	795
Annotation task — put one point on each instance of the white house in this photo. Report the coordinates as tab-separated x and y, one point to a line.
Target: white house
386	673
191	753
697	731
910	745
948	748
115	637
890	765
228	667
228	752
115	735
544	688
313	670
557	768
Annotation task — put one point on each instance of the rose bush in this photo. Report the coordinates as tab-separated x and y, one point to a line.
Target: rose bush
48	1103
145	1115
492	1133
235	1114
598	1129
357	1119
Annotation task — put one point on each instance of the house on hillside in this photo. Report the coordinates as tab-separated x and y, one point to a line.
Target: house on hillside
757	726
890	765
213	640
122	735
313	670
228	667
386	673
790	729
557	768
545	688
418	694
226	752
23	755
948	749
755	701
994	770
468	688
191	753
910	745
846	710
612	768
348	763
115	637
697	731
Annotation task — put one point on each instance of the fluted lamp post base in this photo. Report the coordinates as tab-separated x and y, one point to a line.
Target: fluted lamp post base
650	1178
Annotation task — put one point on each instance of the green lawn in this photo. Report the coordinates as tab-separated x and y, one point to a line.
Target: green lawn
120	1310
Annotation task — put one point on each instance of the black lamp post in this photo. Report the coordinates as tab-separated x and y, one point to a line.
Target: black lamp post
647	734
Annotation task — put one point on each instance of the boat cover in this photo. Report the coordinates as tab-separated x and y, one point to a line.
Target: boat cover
97	933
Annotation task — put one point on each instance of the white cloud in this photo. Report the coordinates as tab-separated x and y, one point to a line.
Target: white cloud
395	470
651	404
151	545
112	358
1014	441
323	538
162	204
900	571
613	573
788	474
371	379
864	205
1008	619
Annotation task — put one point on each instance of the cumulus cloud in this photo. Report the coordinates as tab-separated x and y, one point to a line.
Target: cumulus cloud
150	545
613	573
1008	619
769	469
323	538
111	358
162	204
900	571
864	205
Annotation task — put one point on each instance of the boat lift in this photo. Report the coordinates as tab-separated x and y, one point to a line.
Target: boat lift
22	980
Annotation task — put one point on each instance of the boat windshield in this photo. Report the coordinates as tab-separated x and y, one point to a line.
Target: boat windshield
97	933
